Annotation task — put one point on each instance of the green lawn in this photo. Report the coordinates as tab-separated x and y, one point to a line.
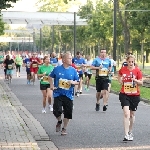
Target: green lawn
116	87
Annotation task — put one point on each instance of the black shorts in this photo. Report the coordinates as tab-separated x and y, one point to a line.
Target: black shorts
128	100
18	67
66	103
109	81
81	76
102	84
44	86
28	72
5	70
87	75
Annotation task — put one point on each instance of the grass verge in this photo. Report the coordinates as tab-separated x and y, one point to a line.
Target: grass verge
115	86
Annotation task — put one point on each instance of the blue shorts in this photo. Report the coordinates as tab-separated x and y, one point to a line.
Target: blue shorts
9	72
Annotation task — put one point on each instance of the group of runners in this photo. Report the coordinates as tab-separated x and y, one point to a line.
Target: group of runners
61	79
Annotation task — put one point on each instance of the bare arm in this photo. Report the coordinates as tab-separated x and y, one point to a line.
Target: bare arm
50	79
120	79
94	68
139	82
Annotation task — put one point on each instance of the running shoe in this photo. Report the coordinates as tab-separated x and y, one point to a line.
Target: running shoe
63	132
58	127
104	108
87	89
77	94
50	107
126	138
97	107
130	136
44	110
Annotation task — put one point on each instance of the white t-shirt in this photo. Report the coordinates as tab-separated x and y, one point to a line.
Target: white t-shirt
113	63
60	62
89	63
40	56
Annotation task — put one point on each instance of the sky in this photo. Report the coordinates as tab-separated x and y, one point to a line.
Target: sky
30	6
24	5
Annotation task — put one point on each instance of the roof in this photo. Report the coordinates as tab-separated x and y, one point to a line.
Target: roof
43	18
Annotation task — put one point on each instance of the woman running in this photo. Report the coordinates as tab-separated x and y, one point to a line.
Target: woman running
43	72
130	77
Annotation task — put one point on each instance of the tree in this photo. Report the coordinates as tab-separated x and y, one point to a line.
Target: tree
4	4
140	22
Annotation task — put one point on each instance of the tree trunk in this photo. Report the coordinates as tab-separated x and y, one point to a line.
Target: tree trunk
126	31
147	56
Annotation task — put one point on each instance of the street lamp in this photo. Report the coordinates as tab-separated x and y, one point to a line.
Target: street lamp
114	32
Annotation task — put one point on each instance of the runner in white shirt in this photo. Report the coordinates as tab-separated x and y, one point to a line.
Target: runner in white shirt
88	73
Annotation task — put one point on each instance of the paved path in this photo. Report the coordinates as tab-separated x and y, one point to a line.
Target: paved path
88	130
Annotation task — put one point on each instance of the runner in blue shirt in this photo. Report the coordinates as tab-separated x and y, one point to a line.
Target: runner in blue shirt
53	59
65	78
102	65
80	64
27	64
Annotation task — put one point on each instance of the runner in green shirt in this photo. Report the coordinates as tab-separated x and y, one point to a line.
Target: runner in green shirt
1	60
18	62
43	72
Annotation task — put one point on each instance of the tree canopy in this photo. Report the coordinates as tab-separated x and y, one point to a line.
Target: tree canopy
4	4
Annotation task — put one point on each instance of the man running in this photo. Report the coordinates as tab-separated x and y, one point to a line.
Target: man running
102	65
88	73
27	65
65	78
79	63
10	64
53	59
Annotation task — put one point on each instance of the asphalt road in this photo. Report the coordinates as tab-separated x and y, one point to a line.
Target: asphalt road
88	130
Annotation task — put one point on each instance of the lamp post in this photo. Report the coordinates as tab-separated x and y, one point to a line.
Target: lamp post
74	33
114	32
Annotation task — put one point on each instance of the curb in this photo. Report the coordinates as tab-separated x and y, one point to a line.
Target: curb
32	124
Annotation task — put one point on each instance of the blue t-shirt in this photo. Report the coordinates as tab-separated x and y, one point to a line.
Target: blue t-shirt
78	62
27	62
61	75
54	61
106	63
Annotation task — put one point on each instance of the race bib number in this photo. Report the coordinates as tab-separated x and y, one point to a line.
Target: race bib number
64	84
54	64
9	66
88	67
79	68
129	89
34	65
45	79
103	72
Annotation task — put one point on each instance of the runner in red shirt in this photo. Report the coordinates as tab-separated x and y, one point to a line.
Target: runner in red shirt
34	66
130	77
